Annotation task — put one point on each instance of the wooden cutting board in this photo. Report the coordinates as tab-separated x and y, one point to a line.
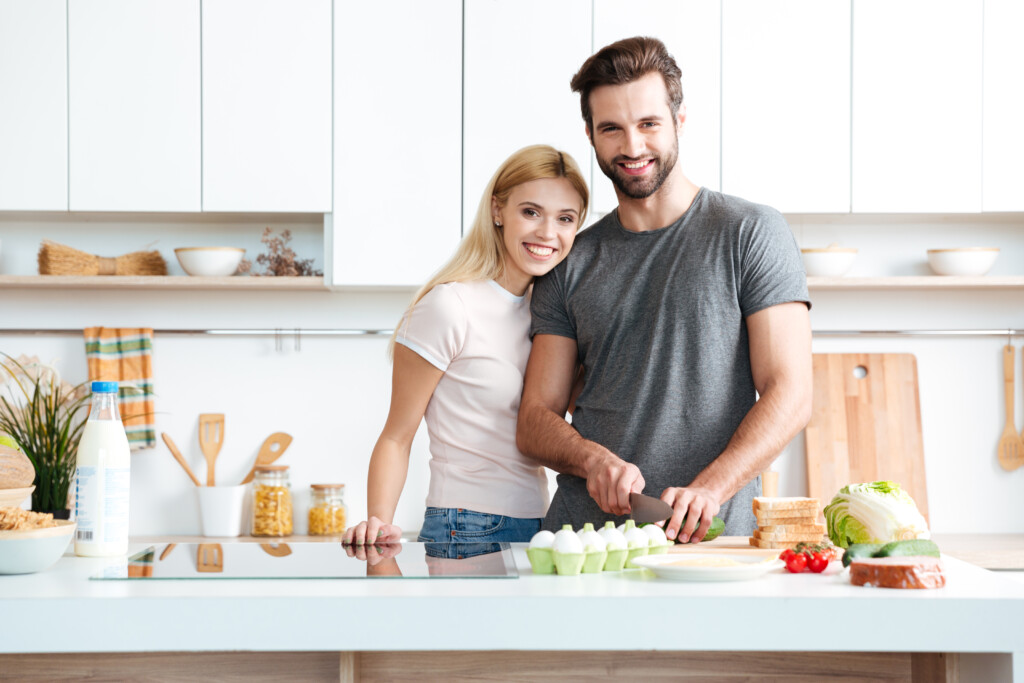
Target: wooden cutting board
865	424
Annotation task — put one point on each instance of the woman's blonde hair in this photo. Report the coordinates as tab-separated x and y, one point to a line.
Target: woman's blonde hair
481	253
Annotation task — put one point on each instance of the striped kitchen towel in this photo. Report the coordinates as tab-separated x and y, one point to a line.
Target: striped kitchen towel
125	355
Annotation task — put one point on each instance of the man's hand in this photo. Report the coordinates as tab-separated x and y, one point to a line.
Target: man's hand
610	480
693	503
372	531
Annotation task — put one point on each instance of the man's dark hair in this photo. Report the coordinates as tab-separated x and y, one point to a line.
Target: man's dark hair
623	62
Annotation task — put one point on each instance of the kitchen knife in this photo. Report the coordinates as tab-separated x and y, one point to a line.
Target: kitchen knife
647	509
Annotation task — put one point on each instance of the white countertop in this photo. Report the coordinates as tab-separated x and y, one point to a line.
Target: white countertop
977	611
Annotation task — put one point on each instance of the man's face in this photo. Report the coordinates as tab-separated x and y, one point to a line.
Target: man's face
635	136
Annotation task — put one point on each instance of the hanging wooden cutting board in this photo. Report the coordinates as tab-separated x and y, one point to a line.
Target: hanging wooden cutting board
865	424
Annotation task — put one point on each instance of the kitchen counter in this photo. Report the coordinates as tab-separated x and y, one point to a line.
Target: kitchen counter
979	614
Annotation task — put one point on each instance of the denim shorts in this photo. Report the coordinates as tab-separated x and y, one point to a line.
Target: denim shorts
457	532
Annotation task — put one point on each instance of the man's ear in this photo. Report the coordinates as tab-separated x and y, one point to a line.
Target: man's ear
681	118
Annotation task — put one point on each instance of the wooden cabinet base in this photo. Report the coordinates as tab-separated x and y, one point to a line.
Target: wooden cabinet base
349	667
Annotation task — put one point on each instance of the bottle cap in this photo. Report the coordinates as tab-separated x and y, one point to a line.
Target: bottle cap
104	387
326	486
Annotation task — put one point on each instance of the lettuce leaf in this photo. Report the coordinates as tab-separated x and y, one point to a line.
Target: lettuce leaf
874	512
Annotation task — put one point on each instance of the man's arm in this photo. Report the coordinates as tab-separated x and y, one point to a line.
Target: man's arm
544	435
780	361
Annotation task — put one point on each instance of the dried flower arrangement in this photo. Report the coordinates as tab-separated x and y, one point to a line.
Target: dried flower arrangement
279	258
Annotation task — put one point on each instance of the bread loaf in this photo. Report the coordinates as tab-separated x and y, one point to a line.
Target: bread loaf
915	571
16	469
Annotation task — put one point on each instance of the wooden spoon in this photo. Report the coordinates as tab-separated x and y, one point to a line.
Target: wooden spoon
1011	448
273	448
211	438
177	456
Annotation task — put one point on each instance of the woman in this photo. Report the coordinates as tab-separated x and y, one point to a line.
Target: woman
459	354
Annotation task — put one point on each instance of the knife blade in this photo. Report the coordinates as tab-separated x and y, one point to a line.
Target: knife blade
648	509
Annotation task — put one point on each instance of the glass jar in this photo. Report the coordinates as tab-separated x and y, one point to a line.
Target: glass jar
326	509
271	501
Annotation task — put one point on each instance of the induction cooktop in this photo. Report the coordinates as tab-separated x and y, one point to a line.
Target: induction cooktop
314	560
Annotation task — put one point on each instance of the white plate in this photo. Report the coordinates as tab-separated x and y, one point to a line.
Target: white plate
704	567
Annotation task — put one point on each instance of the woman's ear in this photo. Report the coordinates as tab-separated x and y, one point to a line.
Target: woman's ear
495	212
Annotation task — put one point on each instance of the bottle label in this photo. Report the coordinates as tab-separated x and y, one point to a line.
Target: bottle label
101	504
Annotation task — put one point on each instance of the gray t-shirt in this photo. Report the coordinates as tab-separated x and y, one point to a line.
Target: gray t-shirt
658	318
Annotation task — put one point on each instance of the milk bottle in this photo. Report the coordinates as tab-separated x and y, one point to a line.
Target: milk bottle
102	478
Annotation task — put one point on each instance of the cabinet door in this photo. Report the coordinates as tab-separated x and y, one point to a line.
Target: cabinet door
786	103
133	83
1004	101
691	30
33	105
397	142
520	57
267	105
917	102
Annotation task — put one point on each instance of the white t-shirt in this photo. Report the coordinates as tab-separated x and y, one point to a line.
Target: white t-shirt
478	334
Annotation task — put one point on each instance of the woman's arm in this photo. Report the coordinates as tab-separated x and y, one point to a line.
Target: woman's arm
413	381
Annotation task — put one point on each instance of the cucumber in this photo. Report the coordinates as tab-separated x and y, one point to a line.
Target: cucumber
714	531
860	550
917	546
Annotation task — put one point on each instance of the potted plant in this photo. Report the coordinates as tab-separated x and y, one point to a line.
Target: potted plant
45	416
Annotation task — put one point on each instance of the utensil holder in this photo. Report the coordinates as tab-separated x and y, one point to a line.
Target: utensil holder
220	509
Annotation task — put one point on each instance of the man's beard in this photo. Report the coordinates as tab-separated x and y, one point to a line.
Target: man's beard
640	187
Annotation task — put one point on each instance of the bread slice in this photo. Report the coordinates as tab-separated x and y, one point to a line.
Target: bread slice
787	517
774	529
808	537
777	504
777	545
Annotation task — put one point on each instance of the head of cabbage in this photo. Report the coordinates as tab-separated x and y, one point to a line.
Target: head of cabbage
876	512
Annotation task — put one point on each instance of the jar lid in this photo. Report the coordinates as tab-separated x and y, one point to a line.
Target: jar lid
326	486
271	468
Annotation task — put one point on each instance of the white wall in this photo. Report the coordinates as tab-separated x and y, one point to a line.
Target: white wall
332	395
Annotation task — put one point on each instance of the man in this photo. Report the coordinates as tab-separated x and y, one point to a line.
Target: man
679	306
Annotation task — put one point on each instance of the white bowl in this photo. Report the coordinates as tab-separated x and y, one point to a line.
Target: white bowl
33	550
963	261
828	262
12	498
209	261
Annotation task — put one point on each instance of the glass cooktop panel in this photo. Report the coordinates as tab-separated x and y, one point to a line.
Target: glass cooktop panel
315	560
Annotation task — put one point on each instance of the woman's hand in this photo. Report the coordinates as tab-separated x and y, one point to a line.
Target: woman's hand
372	531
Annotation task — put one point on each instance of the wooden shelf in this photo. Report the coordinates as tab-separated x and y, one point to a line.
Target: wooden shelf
923	282
237	282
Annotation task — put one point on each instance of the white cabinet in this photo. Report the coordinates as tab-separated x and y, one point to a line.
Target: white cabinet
33	105
917	106
786	103
519	59
691	30
398	141
1003	188
267	105
134	107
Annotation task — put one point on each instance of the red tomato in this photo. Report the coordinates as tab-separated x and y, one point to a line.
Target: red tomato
818	562
786	554
796	563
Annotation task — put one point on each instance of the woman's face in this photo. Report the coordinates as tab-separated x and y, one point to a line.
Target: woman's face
539	224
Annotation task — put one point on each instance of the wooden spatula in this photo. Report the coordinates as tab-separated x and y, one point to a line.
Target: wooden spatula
211	438
272	449
1011	448
209	558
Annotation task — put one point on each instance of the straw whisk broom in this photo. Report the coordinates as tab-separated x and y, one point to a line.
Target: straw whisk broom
59	259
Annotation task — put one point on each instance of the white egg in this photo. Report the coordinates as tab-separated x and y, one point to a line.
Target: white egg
655	535
613	537
542	539
567	542
593	539
635	538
